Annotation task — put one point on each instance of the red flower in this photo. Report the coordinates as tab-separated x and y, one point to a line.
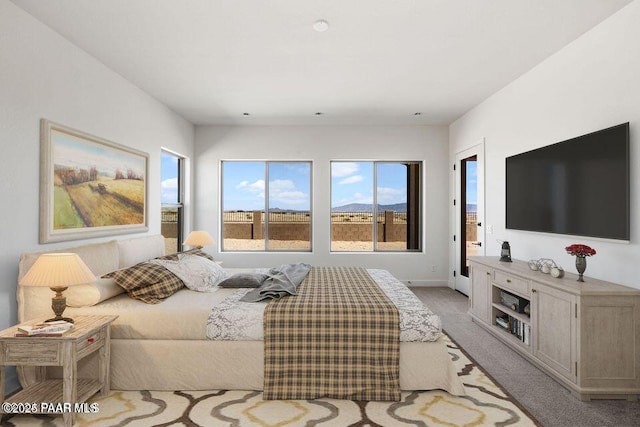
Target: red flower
580	250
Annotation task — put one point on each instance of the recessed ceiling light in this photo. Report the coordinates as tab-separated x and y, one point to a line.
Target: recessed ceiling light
321	25
246	114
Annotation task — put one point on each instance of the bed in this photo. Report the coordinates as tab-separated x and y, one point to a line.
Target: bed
165	346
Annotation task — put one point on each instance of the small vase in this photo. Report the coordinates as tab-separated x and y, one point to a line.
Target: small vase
581	266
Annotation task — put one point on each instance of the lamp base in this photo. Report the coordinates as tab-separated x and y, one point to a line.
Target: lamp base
58	304
57	319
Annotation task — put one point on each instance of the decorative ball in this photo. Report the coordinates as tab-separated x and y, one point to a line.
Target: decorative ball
557	272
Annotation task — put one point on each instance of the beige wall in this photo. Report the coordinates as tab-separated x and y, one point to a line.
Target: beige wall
42	75
589	85
321	145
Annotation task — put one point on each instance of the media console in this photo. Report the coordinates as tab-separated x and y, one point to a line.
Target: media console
584	335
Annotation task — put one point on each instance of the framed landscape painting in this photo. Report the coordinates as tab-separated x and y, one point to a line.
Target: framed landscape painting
89	187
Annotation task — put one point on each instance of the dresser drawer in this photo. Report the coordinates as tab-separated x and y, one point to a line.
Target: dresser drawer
513	283
31	352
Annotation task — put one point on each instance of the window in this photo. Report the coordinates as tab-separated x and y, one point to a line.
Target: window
172	200
250	190
376	206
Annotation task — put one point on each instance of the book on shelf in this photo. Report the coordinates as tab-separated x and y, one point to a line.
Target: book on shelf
39	329
503	321
515	327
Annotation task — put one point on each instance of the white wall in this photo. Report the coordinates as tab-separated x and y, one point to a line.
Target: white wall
591	84
44	76
323	144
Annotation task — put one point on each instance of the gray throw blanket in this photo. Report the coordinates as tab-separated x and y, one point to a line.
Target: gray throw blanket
282	281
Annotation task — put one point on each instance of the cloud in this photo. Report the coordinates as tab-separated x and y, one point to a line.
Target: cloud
169	184
254	187
281	191
351	180
278	185
341	169
387	195
169	190
302	168
285	191
290	197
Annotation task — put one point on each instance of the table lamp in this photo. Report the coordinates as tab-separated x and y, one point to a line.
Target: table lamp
58	271
199	239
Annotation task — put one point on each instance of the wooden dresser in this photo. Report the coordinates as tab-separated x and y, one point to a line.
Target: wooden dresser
586	335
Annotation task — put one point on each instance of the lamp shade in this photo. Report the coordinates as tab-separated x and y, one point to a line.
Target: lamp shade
58	270
199	238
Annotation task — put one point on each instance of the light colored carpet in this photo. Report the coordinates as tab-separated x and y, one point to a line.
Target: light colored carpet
485	404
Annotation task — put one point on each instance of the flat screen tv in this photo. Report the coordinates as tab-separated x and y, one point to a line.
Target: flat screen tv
578	187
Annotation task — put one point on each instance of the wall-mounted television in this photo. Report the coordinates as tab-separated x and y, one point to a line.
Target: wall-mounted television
578	187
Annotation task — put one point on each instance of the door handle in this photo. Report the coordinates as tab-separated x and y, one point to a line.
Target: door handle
479	224
476	243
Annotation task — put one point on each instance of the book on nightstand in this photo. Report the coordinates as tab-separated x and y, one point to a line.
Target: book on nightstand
50	329
52	334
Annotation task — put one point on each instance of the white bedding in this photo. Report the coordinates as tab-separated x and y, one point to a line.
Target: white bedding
234	320
164	346
183	316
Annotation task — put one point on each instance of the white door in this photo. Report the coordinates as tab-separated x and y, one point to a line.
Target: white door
469	212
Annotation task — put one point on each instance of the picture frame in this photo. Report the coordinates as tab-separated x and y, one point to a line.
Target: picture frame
89	186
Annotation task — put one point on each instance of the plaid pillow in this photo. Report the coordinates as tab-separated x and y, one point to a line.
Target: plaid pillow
147	282
174	257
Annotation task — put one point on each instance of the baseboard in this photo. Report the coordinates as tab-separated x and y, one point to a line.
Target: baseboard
11	380
426	283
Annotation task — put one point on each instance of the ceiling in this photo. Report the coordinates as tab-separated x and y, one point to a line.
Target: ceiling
379	62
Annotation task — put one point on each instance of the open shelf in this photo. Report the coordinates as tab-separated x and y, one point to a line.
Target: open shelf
521	322
520	316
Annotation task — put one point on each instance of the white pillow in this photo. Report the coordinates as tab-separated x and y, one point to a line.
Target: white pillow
92	293
198	273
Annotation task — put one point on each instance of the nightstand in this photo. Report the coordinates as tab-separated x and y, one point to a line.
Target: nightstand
90	334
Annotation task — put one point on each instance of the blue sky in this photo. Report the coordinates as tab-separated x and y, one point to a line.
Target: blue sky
244	185
352	182
169	177
472	182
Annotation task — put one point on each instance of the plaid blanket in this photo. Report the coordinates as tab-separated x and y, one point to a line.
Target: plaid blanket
338	338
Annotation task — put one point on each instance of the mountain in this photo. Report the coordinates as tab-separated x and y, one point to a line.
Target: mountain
368	207
472	207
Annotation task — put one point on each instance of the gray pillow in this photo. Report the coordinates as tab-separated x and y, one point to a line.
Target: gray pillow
244	280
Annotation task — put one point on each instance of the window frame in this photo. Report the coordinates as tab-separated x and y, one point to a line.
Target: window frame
179	206
419	202
266	206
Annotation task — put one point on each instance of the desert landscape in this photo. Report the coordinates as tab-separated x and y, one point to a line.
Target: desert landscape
337	246
258	245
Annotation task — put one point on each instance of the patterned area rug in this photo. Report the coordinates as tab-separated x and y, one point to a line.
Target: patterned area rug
486	404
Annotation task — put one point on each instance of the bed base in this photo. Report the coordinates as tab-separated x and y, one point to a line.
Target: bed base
238	365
